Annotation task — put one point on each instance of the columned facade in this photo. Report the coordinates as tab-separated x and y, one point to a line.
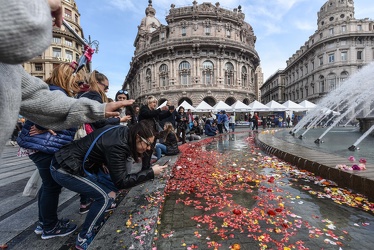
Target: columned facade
339	47
204	52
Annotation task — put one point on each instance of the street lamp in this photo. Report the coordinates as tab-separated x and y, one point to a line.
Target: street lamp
94	43
85	59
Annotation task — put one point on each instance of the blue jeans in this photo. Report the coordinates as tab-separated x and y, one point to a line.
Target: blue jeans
160	148
49	191
89	187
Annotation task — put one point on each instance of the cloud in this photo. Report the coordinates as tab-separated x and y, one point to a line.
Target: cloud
126	5
305	25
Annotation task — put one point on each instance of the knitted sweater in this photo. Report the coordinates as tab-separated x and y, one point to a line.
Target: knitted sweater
25	32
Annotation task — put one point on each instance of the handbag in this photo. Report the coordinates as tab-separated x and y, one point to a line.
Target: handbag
33	185
172	149
81	132
158	126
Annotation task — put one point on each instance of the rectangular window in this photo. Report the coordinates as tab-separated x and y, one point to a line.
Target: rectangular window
320	60
162	35
38	67
344	28
331	31
343	42
359	55
56	40
67	13
331	58
344	55
207	30
56	52
359	27
183	31
320	35
76	18
69	55
68	43
228	33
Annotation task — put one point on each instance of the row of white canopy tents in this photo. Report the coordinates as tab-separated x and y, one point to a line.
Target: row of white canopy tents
255	106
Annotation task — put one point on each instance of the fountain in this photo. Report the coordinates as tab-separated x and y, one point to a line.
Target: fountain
354	96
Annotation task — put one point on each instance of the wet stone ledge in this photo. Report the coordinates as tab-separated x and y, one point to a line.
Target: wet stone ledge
320	163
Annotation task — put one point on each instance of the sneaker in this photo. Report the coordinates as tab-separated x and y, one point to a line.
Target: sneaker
39	227
84	208
83	243
61	229
111	207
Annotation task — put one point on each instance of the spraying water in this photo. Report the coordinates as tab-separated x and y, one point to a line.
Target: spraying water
356	90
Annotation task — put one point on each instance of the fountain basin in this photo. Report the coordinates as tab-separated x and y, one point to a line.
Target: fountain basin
365	123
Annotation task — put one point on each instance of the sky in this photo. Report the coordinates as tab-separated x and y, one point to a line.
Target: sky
281	28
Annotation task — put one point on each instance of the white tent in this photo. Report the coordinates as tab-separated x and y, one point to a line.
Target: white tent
203	107
327	111
186	106
307	105
258	106
239	106
162	105
221	106
275	106
293	106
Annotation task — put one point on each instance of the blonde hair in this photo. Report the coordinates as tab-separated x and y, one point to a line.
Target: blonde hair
169	129
151	99
63	77
94	79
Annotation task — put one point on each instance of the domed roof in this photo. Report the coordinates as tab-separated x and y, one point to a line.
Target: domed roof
150	22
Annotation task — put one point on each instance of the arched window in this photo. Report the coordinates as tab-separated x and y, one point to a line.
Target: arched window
164	75
208	73
210	100
331	81
229	74
343	76
148	79
184	73
244	77
322	84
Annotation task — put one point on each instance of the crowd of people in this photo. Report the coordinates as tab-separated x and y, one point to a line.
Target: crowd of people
113	137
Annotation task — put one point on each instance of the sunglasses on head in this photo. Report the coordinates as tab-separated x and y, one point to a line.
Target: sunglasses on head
123	92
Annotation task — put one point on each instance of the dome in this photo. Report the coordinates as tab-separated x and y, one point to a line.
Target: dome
150	22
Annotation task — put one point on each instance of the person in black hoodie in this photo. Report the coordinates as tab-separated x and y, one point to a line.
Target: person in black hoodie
127	111
152	115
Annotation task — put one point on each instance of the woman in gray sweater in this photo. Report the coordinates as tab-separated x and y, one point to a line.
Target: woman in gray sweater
25	32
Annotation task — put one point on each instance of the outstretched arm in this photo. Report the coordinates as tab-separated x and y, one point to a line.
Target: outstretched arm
55	110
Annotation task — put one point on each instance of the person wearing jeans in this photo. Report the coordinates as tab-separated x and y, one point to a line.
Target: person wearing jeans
78	165
160	149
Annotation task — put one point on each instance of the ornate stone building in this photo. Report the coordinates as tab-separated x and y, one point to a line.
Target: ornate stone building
64	46
338	48
205	52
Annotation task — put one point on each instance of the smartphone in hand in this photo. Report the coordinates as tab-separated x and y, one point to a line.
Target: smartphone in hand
165	162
